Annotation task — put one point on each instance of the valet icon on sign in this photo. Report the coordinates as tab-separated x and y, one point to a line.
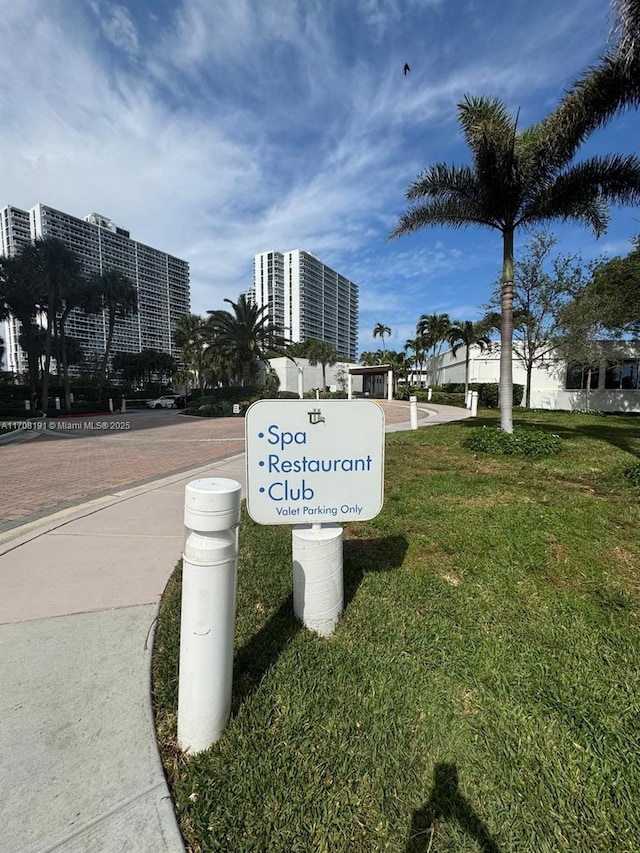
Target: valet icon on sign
315	416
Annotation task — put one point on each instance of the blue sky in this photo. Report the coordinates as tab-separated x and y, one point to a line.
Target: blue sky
215	129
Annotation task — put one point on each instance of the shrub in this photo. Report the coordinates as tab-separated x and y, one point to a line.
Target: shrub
521	442
444	398
288	395
632	474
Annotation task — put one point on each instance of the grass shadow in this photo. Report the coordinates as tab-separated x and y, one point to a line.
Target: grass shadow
360	556
446	803
262	650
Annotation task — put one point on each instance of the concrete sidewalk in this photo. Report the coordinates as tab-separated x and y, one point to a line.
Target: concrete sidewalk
79	766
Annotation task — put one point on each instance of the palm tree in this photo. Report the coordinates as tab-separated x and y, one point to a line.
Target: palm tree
434	328
467	334
246	335
400	366
53	267
380	331
324	353
19	299
115	293
192	335
518	178
370	359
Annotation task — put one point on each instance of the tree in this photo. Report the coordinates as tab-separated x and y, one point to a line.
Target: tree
518	178
324	353
192	335
433	328
370	359
400	366
467	334
538	296
244	336
19	298
55	270
615	292
116	294
578	338
75	293
380	331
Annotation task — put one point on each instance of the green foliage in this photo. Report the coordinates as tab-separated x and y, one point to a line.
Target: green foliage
632	474
521	442
444	398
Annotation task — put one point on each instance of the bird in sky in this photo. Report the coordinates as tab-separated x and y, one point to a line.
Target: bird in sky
406	69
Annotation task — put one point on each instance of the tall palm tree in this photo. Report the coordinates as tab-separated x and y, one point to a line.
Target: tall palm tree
246	335
434	328
380	331
467	334
20	298
192	335
52	267
116	294
518	178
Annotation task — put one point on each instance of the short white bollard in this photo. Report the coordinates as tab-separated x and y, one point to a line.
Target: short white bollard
468	402
123	405
71	397
27	405
318	587
413	405
211	516
300	384
429	393
474	404
58	403
110	404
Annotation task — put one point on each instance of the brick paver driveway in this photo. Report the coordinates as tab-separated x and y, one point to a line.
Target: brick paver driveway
63	467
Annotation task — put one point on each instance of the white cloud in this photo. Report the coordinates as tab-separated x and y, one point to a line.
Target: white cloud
117	26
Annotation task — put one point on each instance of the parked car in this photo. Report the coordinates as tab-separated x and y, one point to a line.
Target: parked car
169	401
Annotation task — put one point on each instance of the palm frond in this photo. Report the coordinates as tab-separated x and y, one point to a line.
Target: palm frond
584	191
455	214
597	95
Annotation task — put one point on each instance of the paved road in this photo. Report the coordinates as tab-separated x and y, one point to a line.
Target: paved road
78	459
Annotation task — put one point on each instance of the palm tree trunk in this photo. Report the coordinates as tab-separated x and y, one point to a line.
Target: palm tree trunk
466	373
105	358
51	320
506	334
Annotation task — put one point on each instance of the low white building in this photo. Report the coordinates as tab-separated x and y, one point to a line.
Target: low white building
614	383
298	373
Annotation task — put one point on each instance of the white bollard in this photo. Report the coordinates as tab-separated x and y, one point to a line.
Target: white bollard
429	393
71	398
390	385
27	405
123	405
318	588
211	516
349	387
468	403
110	404
300	385
474	404
58	403
413	405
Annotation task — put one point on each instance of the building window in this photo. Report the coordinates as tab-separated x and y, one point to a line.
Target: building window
577	378
621	375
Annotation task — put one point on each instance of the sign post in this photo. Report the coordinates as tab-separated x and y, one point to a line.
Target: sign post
314	464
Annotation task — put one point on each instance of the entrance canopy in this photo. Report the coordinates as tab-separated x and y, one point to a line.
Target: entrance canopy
377	381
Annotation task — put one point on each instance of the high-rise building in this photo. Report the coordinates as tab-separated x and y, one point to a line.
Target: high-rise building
161	280
307	299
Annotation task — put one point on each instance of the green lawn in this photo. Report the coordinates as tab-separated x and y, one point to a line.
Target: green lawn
482	690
